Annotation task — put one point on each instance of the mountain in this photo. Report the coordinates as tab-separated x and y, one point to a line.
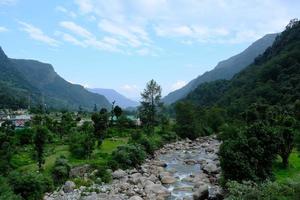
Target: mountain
224	69
113	95
273	78
21	79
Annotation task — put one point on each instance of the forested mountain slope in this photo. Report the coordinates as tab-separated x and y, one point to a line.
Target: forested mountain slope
225	69
273	78
22	80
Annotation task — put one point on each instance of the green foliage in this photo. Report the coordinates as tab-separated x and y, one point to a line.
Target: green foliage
25	136
40	137
100	124
60	171
6	192
249	153
82	144
118	111
31	186
6	150
103	173
150	105
187	124
127	156
141	139
263	191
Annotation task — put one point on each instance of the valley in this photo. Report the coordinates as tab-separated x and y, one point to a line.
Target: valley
231	133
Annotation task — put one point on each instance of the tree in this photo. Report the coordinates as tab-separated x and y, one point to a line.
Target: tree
150	104
186	124
82	144
100	124
95	108
248	154
118	111
39	144
285	133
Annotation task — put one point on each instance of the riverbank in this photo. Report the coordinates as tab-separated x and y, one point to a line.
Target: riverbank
181	170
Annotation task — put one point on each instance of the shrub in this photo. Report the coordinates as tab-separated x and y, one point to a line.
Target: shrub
103	173
250	154
61	169
264	191
141	139
6	192
128	156
31	186
25	136
82	144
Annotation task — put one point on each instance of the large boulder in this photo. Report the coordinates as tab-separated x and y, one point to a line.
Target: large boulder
118	174
69	186
201	192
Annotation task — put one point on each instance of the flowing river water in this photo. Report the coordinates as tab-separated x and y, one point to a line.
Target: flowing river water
184	164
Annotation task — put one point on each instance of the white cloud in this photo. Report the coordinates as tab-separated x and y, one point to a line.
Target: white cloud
177	85
37	34
67	12
3	29
69	38
71	26
8	2
133	35
214	21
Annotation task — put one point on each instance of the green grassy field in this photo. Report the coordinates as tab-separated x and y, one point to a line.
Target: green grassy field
293	170
23	160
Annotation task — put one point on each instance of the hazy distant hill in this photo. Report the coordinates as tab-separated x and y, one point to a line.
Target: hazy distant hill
21	79
113	95
224	69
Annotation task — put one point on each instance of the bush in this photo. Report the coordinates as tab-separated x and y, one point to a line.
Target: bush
6	192
61	169
250	154
103	173
128	156
141	139
82	144
25	136
264	191
31	186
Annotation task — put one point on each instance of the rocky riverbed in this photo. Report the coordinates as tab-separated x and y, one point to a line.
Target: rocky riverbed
182	170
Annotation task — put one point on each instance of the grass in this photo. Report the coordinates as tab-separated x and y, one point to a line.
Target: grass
291	172
23	160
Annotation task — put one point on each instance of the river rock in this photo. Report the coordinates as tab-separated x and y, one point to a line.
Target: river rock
168	180
211	168
201	192
69	186
190	162
136	198
118	174
158	190
159	163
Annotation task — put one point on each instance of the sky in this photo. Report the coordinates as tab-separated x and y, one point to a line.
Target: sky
122	44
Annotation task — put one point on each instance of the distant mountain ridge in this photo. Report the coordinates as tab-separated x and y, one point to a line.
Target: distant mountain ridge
225	69
23	79
113	95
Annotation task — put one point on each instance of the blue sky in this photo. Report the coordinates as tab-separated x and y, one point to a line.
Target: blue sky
122	44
